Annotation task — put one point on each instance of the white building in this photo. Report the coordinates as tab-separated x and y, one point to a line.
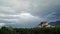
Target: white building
45	24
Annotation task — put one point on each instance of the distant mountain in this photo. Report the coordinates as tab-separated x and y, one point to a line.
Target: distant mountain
56	23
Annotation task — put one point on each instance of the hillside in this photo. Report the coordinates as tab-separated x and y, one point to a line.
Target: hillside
56	23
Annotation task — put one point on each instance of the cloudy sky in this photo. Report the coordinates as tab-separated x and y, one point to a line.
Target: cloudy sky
28	13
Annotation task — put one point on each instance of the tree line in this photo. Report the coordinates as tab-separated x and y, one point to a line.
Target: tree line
7	30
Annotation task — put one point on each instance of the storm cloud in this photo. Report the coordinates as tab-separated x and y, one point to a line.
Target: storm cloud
28	13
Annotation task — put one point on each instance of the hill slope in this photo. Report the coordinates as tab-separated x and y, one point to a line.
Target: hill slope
57	23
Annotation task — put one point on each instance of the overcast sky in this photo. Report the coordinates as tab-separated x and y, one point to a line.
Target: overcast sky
28	13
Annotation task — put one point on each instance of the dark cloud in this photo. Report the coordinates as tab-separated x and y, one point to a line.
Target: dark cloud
38	10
